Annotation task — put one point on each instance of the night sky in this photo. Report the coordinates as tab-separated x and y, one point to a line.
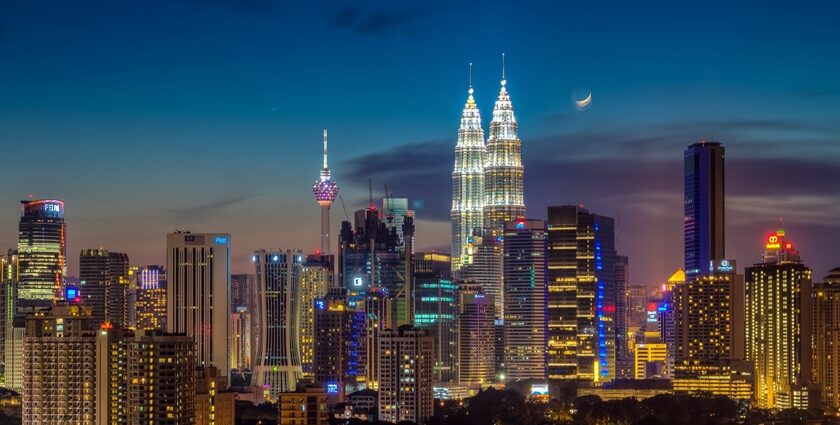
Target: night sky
206	115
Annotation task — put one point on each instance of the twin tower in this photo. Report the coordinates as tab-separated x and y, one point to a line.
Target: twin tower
487	187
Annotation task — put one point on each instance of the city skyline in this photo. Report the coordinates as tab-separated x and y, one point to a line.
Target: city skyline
129	110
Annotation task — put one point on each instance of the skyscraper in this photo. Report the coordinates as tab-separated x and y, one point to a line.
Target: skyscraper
150	306
437	310
503	171
339	354
315	278
476	334
581	294
622	278
42	251
704	207
826	329
483	265
8	297
197	296
405	387
325	191
778	333
525	299
277	360
467	180
104	285
394	212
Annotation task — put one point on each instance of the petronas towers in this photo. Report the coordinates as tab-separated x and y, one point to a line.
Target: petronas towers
487	187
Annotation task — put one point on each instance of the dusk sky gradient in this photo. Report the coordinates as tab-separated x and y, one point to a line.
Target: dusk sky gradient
145	117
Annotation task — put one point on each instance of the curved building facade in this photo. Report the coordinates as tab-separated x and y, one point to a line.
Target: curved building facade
42	250
277	360
467	181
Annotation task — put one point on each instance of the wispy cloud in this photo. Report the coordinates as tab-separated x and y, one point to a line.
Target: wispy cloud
209	208
369	21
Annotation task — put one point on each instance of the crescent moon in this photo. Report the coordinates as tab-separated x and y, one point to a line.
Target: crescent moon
583	104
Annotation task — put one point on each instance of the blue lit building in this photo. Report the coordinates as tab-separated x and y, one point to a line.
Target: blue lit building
340	345
582	295
436	309
704	208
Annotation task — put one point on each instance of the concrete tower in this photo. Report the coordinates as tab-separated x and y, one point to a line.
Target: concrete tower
325	191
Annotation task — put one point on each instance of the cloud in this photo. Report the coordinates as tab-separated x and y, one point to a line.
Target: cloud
209	208
376	22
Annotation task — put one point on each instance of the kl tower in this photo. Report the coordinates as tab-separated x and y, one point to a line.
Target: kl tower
325	191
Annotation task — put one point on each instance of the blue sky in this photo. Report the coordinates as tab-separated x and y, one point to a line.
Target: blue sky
206	115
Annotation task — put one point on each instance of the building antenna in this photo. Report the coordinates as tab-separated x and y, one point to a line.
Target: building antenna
370	194
503	66
470	72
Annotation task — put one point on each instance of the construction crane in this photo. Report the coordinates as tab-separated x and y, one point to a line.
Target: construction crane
389	209
344	207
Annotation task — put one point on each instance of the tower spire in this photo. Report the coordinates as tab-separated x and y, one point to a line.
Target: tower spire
503	70
326	167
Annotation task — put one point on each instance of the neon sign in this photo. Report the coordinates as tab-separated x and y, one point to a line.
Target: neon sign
221	240
320	304
332	388
520	224
773	242
71	293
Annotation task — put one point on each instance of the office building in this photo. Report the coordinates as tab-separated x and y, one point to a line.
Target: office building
197	297
150	295
582	295
59	360
325	191
622	281
379	314
467	181
214	403
704	207
650	360
161	379
406	375
778	332
340	354
277	365
393	213
476	331
104	285
525	248
8	297
306	405
437	310
503	171
826	331
42	253
483	265
315	277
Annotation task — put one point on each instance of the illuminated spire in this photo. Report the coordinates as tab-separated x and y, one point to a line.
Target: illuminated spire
503	190
325	191
467	178
325	172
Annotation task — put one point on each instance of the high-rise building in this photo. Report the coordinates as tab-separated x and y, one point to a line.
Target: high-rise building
525	323
406	369
245	330
778	332
637	296
307	405
503	171
161	386
650	360
277	365
325	191
483	265
437	311
8	297
622	280
150	295
214	403
393	213
315	277
704	207
467	180
104	285
582	295
379	314
59	366
339	354
197	297
476	335
112	375
826	331
42	253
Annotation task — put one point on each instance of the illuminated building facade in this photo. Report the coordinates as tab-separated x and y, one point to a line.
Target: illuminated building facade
393	213
778	332
483	265
307	405
437	311
704	207
104	285
340	356
826	331
8	297
277	366
244	330
197	293
525	249
622	280
111	375
315	278
214	403
650	360
582	295
406	375
467	181
379	315
325	191
150	304
42	251
59	366
161	379
476	362
504	198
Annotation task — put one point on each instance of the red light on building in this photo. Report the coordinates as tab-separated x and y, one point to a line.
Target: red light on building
106	326
609	309
788	245
317	252
651	306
